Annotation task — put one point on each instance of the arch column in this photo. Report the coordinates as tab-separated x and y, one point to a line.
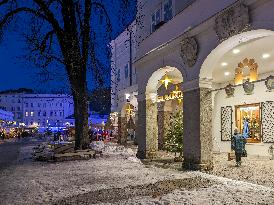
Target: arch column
147	128
198	141
151	129
122	129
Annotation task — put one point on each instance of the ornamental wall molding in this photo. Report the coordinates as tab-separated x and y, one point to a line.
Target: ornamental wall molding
232	21
189	51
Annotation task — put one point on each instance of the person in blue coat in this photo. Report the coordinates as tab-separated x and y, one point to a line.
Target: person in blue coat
238	145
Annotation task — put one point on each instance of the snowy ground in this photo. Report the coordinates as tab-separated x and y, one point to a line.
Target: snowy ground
119	178
254	169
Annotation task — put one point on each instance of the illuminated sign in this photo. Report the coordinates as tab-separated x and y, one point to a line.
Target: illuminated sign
177	94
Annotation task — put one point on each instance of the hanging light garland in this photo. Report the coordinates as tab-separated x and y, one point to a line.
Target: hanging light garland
178	92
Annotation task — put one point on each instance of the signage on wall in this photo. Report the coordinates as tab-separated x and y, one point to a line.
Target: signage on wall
177	94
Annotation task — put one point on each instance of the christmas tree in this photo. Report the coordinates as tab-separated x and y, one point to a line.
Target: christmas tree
173	141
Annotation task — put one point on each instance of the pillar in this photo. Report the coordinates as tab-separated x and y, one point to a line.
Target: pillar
122	130
147	128
198	142
141	128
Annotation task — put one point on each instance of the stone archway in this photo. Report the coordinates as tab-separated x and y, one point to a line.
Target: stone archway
212	59
152	130
218	70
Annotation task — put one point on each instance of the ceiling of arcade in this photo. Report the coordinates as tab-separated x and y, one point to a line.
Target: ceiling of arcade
260	49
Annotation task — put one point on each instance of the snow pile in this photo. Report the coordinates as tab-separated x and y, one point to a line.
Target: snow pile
115	149
42	152
97	145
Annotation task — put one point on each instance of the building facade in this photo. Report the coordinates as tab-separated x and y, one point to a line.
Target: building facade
124	87
218	56
6	116
38	109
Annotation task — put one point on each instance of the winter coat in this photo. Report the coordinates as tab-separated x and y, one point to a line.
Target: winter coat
238	143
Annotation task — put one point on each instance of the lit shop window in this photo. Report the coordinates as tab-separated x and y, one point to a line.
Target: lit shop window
27	114
31	114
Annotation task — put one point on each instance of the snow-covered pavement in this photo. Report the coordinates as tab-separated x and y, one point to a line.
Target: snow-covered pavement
119	178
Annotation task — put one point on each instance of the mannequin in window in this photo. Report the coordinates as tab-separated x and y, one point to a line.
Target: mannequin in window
246	127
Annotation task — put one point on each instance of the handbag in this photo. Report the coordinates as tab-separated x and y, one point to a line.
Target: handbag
244	154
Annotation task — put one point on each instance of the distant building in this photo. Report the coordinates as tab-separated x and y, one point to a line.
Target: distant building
93	119
6	116
38	109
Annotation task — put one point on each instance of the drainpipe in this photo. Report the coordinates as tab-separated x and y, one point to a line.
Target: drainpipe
130	57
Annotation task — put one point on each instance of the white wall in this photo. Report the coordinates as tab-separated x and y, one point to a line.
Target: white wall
120	48
240	98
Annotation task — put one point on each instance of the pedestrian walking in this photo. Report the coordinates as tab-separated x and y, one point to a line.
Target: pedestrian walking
238	145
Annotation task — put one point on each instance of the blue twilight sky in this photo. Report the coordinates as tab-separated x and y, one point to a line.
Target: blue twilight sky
16	72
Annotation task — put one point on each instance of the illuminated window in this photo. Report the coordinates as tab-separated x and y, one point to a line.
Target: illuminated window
27	114
31	114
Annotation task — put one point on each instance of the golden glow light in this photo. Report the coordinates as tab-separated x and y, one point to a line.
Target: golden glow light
176	94
129	110
166	81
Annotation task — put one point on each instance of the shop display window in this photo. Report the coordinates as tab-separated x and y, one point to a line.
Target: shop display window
248	121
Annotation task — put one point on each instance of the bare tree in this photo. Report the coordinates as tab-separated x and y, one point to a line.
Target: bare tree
62	31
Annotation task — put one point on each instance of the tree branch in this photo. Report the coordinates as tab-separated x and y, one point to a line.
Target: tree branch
100	5
44	41
3	2
17	11
50	17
